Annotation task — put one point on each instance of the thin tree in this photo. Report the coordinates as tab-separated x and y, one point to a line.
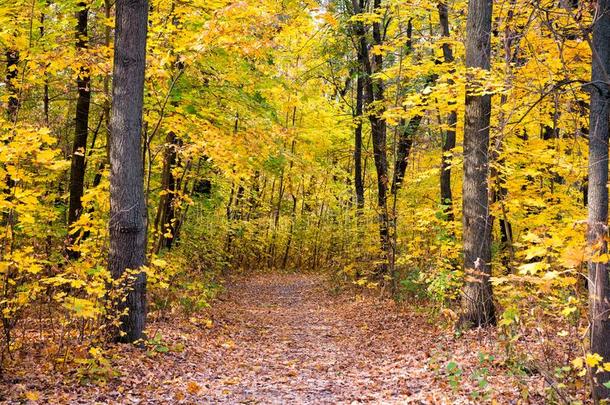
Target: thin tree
127	203
358	179
12	62
448	141
477	297
405	137
83	102
597	233
165	218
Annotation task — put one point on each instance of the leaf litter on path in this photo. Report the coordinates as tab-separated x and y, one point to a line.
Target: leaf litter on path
284	339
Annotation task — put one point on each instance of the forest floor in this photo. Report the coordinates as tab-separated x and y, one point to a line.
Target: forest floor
286	338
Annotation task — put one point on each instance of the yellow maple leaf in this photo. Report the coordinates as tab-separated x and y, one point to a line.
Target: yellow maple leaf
32	395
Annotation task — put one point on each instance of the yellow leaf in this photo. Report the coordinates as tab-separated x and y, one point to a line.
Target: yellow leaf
593	359
193	388
33	395
158	263
603	258
578	363
572	257
532	268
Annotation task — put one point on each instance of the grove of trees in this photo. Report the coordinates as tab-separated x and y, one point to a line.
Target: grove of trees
451	154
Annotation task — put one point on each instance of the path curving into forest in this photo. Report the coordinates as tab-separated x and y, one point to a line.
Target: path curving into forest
286	339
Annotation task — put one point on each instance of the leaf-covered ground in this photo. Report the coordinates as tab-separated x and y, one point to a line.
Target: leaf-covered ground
286	339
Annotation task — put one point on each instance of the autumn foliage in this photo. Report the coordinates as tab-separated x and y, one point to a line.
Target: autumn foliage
307	136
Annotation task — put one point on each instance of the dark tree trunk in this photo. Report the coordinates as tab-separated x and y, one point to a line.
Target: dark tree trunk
448	141
97	179
599	283
405	136
405	142
292	221
127	204
378	133
477	299
358	179
374	92
45	89
12	112
77	169
164	221
12	62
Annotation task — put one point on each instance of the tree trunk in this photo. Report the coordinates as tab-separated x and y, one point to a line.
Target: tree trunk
97	179
405	137
378	133
448	141
374	92
12	60
477	299
127	205
45	88
77	169
358	179
164	220
599	284
405	142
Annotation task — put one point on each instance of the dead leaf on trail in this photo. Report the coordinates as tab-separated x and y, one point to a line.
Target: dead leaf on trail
193	388
231	381
33	395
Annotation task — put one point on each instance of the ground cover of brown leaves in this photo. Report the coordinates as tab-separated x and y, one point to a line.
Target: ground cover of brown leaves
280	338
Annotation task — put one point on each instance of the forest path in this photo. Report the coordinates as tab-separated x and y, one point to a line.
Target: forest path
285	339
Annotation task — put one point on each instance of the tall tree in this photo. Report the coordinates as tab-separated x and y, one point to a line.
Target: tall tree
77	169
379	133
127	203
597	234
477	298
406	132
375	99
448	141
358	179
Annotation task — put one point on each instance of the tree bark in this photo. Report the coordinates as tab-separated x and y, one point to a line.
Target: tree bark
374	97
448	141
477	299
165	218
77	169
358	179
599	283
97	179
405	142
405	137
379	135
12	62
127	204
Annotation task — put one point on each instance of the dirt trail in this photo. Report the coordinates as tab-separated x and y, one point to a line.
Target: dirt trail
299	344
284	339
